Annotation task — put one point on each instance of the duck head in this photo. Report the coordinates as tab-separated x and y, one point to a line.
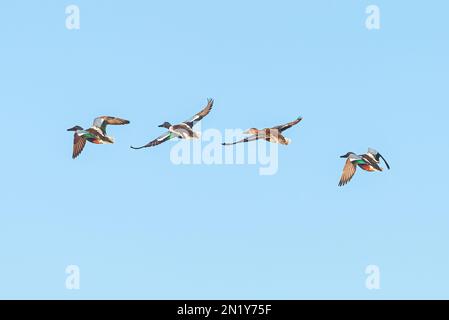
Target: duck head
75	128
166	125
347	155
251	131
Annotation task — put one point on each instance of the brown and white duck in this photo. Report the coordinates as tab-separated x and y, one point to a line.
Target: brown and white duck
273	135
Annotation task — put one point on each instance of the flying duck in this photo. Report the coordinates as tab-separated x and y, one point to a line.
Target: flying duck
269	134
95	134
184	130
368	162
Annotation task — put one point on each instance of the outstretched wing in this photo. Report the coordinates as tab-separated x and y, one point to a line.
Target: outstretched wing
103	121
165	137
78	145
200	115
248	139
286	126
386	163
348	172
376	155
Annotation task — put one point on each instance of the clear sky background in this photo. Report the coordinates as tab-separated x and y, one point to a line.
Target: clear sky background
140	227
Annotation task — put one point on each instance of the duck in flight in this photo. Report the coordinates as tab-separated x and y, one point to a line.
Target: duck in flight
183	130
95	134
269	134
368	161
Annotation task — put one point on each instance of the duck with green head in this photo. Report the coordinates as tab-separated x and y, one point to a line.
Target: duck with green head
368	161
95	134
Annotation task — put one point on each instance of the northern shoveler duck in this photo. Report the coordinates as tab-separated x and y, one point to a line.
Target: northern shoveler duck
95	134
269	134
184	130
368	162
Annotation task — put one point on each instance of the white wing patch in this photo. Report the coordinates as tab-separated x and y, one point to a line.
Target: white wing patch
372	151
98	122
163	137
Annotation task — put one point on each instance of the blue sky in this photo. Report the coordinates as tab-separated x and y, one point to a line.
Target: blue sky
140	227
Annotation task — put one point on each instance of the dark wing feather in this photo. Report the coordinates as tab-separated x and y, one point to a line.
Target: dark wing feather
165	137
348	172
200	115
248	139
286	126
78	145
386	163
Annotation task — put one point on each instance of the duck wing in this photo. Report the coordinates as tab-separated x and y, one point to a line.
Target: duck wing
161	139
103	121
286	126
377	156
386	163
78	145
348	172
248	139
200	115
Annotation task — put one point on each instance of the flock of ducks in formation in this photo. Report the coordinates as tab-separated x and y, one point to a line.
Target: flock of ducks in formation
96	134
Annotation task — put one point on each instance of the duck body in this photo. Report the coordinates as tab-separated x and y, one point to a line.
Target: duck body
368	167
274	135
269	134
182	131
369	164
93	135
